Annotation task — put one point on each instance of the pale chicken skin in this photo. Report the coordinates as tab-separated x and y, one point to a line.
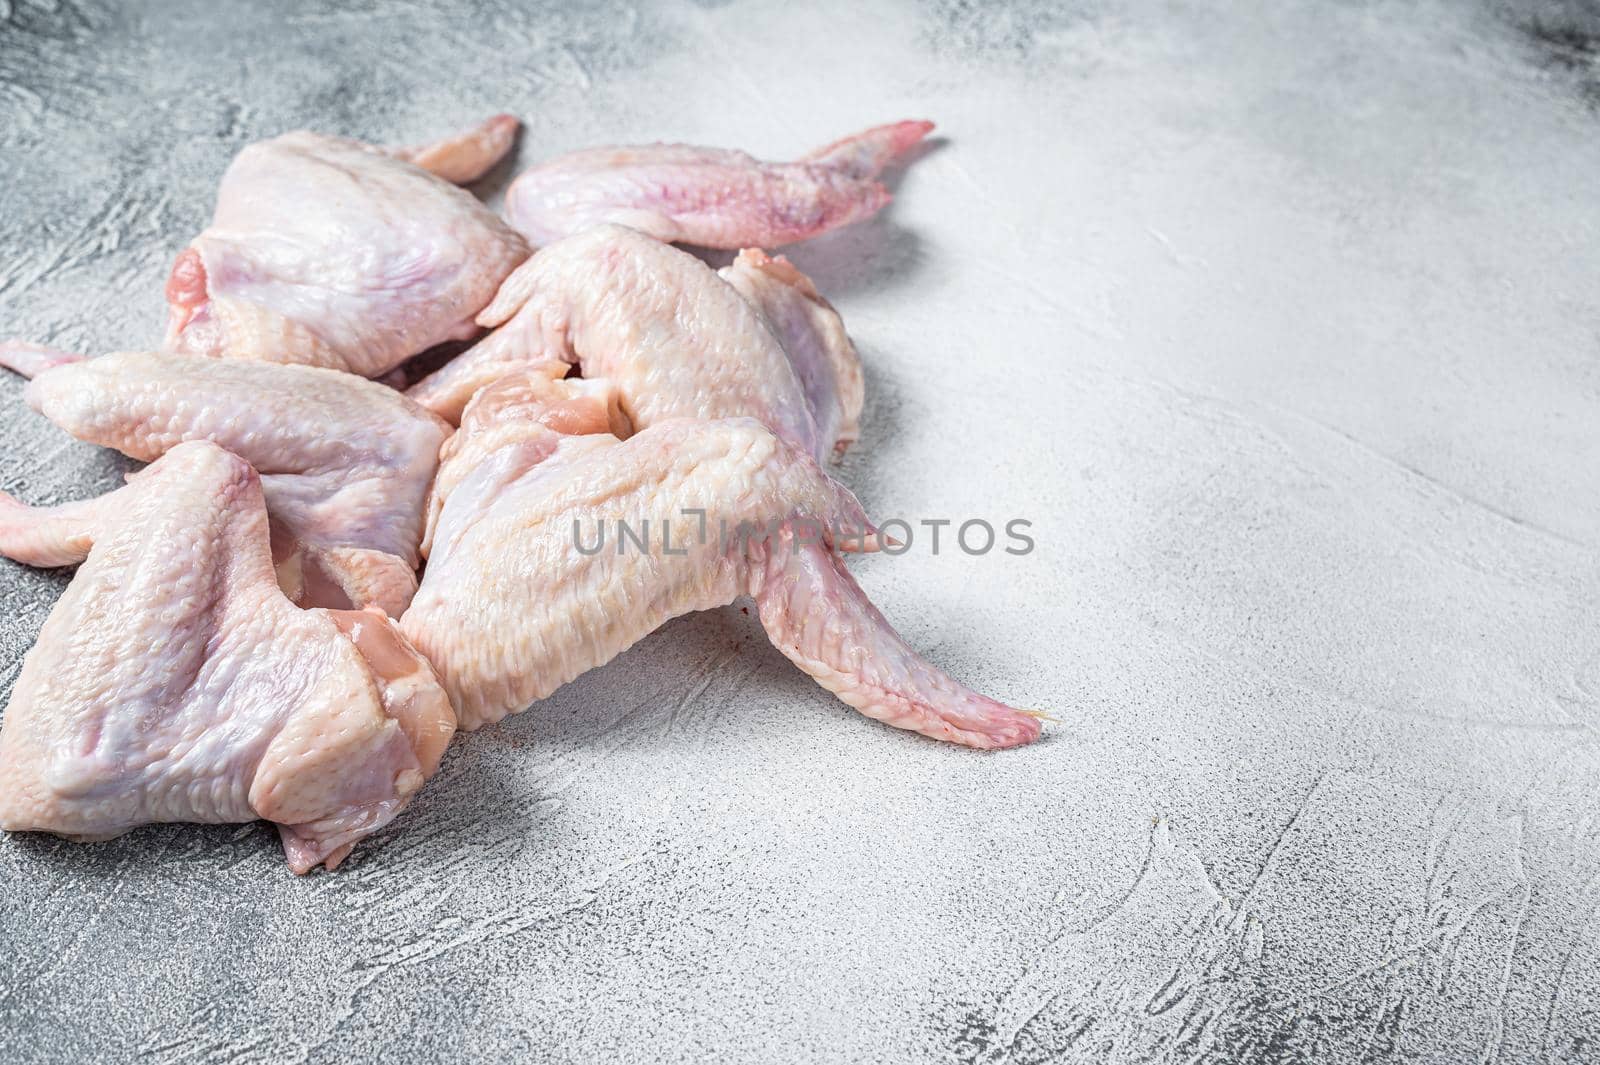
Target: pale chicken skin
173	681
813	335
674	338
467	156
713	197
346	463
329	252
512	607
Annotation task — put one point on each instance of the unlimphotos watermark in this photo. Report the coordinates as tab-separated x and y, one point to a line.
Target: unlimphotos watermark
692	527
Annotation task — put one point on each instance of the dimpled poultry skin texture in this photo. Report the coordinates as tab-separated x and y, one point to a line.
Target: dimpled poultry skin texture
345	462
813	335
713	197
173	681
674	338
511	608
329	252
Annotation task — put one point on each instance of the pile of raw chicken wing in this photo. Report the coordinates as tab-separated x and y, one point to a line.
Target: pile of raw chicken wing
247	635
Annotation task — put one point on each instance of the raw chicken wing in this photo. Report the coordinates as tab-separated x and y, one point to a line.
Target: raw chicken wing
345	463
519	598
330	252
713	197
174	682
675	339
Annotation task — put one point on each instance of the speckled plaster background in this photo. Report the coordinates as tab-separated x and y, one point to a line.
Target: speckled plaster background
1281	322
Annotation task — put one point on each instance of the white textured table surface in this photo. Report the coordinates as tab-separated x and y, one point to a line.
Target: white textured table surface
1282	325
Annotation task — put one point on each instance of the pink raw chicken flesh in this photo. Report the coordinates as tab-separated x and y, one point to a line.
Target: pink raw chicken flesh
510	609
174	682
714	197
676	339
330	252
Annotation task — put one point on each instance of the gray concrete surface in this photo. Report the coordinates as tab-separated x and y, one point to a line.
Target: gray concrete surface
1280	321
